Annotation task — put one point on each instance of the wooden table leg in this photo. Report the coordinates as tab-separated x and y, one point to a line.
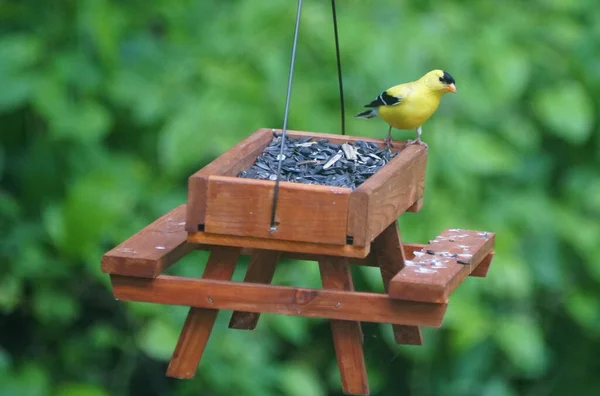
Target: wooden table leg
388	252
199	322
347	335
261	270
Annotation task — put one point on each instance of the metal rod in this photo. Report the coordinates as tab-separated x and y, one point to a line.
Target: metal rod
285	118
339	66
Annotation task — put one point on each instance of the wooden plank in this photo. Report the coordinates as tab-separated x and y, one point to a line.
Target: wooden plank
274	244
230	163
389	256
260	270
387	194
409	249
200	321
483	268
347	335
416	207
429	281
306	213
285	300
339	138
151	250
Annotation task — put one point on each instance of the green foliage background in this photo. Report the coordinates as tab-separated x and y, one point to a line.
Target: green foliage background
107	107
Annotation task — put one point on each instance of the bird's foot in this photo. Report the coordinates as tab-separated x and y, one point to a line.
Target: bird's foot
417	141
388	142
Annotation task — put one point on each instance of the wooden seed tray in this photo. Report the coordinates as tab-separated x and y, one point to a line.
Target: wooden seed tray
230	211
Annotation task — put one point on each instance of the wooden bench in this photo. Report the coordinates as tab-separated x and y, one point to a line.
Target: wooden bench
418	279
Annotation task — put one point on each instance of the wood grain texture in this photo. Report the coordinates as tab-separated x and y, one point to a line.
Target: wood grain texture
305	213
424	281
200	321
274	244
285	300
347	335
151	250
389	256
409	249
230	163
260	270
387	194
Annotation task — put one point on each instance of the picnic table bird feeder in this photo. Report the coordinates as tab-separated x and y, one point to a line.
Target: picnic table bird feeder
335	226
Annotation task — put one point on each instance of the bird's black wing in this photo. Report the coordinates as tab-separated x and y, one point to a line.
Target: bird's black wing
384	99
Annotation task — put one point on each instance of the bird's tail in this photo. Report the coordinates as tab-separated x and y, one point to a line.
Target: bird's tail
367	114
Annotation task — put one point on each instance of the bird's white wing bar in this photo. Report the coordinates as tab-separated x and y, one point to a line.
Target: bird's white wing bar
385	99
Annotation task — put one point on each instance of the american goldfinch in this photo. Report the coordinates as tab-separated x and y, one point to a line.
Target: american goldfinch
409	105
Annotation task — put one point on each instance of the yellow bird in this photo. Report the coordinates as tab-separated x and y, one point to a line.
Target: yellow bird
409	105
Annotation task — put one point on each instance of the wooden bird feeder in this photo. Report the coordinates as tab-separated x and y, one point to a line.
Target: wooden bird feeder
230	211
336	227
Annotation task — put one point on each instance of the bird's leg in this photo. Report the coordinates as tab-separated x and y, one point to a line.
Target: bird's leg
388	139
418	139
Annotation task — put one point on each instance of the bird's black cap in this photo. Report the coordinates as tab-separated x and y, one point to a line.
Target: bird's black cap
447	78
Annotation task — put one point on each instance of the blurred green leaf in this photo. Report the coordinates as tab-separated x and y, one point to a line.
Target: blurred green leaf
300	380
5	361
158	339
566	110
585	309
54	306
522	341
19	51
10	293
290	328
79	389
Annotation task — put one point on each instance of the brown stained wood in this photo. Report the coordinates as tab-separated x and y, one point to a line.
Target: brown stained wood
151	250
423	281
230	163
483	268
409	249
387	194
260	270
339	139
416	207
285	300
390	257
200	321
306	213
274	244
347	335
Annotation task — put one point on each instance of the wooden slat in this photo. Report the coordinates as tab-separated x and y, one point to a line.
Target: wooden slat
338	138
306	213
389	256
284	246
409	249
151	250
424	281
200	321
230	163
483	268
260	270
347	335
416	207
387	194
248	297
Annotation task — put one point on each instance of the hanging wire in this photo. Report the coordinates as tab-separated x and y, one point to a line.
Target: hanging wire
285	119
339	66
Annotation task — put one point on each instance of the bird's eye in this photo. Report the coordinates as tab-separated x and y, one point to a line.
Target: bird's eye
442	79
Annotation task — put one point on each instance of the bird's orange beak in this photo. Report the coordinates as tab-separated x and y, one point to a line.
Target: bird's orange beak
452	88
